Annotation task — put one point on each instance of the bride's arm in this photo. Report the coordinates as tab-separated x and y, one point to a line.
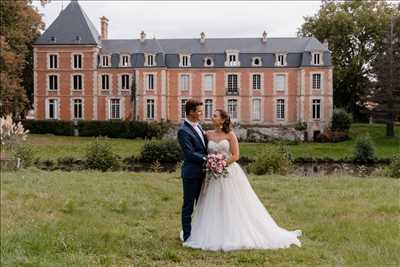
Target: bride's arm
234	145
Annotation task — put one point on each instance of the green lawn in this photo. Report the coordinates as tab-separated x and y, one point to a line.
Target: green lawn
51	147
133	219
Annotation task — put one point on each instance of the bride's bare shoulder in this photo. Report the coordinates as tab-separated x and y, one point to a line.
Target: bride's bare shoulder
232	136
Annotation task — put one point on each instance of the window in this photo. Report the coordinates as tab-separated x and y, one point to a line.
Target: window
105	82
53	82
257	81
208	62
316	58
208	82
280	60
316	109
232	108
183	108
316	81
125	82
256	111
125	61
208	108
280	82
115	109
52	109
280	109
77	109
256	61
232	59
149	60
77	82
150	109
105	61
185	61
77	61
53	61
185	82
232	83
150	81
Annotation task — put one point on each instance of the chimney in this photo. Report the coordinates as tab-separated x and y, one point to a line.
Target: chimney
326	44
264	37
202	37
142	36
104	28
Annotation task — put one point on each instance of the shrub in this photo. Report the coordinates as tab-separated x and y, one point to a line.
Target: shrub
163	151
330	136
301	126
271	161
11	133
364	150
55	127
99	156
26	153
341	120
393	169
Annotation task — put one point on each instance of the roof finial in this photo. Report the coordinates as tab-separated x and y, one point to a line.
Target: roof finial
202	37
264	37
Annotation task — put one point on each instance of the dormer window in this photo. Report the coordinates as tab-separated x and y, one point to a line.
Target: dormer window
184	60
53	39
105	61
232	58
125	61
316	58
280	60
149	60
256	62
78	39
208	62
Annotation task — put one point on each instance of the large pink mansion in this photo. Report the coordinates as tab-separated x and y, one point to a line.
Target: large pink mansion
81	74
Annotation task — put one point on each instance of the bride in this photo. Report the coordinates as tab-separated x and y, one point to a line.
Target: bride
229	215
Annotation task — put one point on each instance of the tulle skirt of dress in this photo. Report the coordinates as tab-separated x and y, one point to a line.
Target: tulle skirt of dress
229	216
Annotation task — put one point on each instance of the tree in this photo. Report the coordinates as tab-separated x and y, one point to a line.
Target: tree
20	26
354	31
385	91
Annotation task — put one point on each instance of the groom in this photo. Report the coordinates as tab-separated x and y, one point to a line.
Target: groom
193	142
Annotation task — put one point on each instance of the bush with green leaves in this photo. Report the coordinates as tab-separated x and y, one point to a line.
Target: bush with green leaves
99	156
26	153
393	169
341	120
364	149
163	151
272	160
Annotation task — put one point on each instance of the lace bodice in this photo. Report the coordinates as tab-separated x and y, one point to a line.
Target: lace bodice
221	146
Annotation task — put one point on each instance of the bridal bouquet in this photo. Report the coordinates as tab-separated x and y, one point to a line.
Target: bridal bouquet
216	166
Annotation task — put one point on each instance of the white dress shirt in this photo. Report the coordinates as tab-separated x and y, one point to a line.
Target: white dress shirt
195	126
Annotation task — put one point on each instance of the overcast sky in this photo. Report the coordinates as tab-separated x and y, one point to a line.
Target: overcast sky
165	19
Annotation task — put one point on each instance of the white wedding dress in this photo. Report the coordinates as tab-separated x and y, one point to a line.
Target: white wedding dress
229	215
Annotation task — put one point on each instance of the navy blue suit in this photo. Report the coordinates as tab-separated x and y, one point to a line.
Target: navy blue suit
193	172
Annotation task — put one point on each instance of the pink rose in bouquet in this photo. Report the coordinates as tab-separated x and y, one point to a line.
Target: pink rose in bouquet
216	165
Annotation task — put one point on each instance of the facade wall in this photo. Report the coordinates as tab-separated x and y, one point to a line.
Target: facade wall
168	94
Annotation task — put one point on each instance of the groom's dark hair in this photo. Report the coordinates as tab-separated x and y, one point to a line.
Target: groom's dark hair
191	105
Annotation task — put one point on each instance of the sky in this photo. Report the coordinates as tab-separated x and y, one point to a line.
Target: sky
178	19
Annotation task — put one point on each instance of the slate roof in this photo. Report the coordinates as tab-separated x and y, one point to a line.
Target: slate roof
71	23
213	45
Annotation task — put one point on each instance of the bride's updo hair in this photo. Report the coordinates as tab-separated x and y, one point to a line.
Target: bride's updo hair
226	125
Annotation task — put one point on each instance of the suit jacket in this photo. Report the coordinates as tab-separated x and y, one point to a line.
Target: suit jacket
194	152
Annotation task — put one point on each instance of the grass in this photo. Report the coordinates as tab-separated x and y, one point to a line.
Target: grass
132	219
50	147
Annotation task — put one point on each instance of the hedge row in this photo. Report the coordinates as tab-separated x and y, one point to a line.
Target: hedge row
112	129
